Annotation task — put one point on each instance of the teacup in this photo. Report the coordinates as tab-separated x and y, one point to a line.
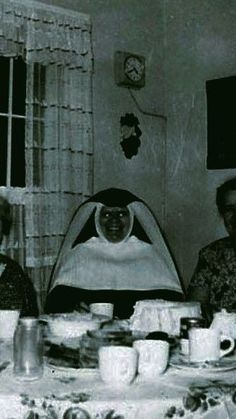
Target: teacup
205	345
117	364
153	357
8	323
102	309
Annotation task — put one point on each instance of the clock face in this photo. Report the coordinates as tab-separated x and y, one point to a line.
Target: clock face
129	69
134	68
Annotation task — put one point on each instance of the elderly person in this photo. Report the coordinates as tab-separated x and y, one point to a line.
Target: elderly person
113	252
214	280
16	289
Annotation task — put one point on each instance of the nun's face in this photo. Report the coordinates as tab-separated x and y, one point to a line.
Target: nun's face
115	223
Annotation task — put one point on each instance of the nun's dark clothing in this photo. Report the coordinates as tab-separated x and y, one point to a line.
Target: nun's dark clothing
64	298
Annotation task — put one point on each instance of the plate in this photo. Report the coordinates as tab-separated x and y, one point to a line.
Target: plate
72	342
69	370
46	318
109	334
224	364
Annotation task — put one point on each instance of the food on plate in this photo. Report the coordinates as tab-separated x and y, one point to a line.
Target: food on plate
82	352
72	324
161	315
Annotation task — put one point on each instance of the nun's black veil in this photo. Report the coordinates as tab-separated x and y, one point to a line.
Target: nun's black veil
65	298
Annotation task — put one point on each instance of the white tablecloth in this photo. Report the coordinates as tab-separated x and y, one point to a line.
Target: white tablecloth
175	394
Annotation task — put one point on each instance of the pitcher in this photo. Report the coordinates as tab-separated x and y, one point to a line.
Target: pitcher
225	323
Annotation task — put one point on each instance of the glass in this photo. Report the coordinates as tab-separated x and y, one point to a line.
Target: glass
18	153
187	323
3	151
4	84
19	86
28	349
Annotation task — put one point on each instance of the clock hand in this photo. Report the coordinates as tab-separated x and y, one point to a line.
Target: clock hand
130	71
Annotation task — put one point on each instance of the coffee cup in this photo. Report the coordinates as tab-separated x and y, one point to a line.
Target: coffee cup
205	345
102	309
184	347
153	357
117	364
8	323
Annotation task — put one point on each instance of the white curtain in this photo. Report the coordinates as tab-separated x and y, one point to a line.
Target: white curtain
56	45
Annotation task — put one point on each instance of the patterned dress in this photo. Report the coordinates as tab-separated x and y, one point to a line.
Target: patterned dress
216	273
16	289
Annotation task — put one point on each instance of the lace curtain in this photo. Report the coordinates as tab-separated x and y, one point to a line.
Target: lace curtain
56	45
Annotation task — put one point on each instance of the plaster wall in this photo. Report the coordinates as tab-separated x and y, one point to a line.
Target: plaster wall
200	42
185	42
135	26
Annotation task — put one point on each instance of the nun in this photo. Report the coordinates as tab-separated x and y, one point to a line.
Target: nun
113	251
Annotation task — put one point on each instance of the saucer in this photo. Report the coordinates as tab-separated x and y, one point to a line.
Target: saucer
181	362
50	362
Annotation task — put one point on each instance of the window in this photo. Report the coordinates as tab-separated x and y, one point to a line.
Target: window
46	126
12	121
20	84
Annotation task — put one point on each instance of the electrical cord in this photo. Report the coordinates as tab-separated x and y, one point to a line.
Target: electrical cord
145	112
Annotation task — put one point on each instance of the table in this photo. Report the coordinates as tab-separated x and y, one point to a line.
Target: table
176	394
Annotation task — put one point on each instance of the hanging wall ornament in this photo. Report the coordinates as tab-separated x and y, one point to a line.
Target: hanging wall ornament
130	133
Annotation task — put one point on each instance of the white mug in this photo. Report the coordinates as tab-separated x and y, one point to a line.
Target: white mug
8	323
184	346
104	309
153	357
205	345
117	364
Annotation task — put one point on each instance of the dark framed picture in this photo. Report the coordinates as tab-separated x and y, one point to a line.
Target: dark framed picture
221	123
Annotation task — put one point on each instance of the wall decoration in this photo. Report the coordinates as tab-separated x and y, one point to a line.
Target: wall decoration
130	134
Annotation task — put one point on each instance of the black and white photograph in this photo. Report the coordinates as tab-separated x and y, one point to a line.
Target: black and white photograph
117	209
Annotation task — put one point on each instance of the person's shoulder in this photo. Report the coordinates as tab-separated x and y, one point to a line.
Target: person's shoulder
217	246
10	263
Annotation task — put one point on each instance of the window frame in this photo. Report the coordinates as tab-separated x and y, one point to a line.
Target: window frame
28	117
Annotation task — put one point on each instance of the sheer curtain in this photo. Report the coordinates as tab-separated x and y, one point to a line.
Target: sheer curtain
56	45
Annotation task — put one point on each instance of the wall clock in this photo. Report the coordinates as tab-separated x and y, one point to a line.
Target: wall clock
129	69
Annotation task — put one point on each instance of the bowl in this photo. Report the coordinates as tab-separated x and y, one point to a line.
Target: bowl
69	325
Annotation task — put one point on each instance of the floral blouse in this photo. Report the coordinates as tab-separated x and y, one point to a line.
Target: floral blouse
16	289
216	272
